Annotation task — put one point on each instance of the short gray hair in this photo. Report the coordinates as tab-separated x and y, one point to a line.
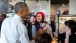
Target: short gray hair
19	6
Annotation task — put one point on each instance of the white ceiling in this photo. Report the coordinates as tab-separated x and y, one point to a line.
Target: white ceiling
35	0
29	0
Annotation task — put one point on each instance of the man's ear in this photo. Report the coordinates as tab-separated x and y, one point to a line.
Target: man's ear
20	12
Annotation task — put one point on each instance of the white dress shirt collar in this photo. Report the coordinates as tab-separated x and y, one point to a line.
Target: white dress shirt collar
18	17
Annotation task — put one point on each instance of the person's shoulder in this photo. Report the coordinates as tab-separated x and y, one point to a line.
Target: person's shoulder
7	18
72	38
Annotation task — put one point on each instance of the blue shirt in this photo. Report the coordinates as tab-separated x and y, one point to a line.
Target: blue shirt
33	31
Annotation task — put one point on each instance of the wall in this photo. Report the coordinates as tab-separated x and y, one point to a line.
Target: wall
36	7
53	9
64	9
72	7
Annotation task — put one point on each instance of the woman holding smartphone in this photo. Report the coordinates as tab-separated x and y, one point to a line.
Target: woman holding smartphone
41	24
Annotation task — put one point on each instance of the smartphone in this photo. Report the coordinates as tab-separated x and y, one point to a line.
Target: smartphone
43	25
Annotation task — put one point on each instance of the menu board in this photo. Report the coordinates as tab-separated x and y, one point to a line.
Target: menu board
4	6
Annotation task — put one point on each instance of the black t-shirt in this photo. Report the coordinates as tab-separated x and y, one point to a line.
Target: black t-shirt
72	38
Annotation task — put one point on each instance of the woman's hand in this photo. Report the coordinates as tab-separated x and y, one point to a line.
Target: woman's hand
68	32
44	26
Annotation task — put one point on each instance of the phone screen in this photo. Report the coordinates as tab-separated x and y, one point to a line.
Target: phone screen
43	25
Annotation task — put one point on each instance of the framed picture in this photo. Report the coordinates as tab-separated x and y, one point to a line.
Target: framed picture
4	6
